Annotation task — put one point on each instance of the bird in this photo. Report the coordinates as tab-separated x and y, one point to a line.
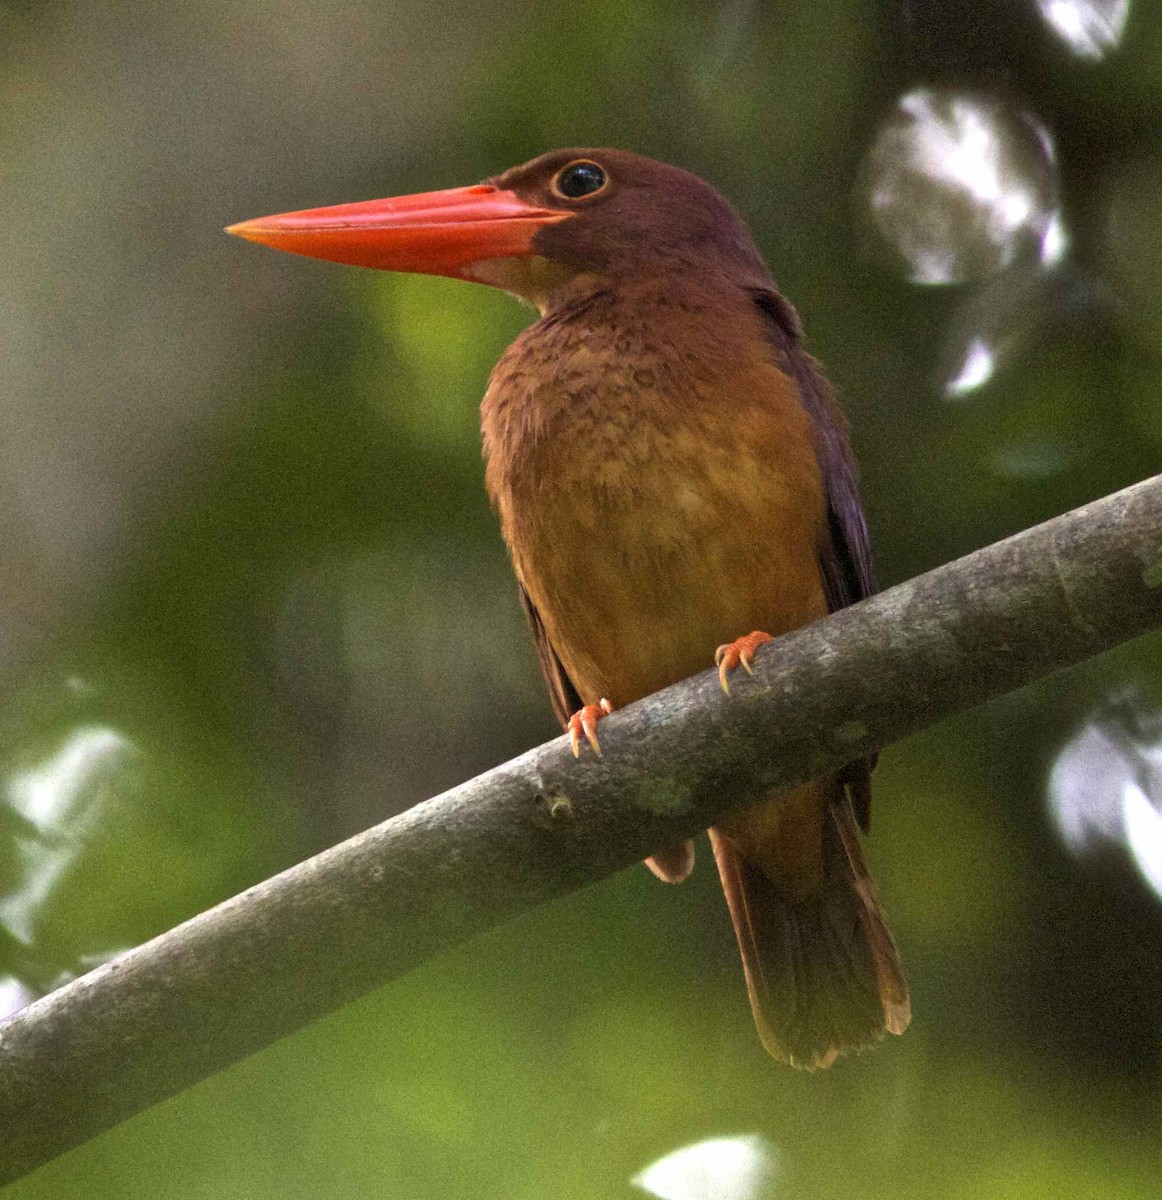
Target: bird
672	473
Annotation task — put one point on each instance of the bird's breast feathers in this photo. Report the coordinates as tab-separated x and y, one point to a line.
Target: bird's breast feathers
651	507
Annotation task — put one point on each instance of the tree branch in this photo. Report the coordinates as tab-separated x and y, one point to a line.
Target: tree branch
280	955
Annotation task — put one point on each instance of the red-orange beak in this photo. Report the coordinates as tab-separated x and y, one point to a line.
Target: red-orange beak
435	233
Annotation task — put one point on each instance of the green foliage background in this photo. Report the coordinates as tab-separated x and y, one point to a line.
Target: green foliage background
245	527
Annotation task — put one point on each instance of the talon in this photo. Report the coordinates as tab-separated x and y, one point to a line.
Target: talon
740	651
584	721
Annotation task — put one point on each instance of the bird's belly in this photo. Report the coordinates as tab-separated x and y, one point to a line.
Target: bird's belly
643	572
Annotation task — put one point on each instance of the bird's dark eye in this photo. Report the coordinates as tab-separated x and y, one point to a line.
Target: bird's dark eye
579	179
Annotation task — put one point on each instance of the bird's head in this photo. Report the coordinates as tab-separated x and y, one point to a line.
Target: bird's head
565	218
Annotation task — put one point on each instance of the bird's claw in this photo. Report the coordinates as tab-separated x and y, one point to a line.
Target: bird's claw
584	721
740	651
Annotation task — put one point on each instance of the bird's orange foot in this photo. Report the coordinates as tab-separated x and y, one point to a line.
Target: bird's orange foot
741	650
584	721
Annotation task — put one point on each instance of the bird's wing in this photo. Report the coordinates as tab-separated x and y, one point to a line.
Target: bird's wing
845	560
845	556
562	693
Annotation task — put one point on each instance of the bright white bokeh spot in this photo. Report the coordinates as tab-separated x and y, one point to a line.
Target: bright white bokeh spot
14	996
1106	786
975	371
48	795
1055	243
1143	825
65	799
729	1168
1090	28
962	185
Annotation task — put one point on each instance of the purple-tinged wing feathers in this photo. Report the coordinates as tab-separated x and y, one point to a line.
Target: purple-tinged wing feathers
845	560
562	693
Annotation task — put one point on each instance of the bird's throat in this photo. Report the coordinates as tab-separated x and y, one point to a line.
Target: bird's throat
531	279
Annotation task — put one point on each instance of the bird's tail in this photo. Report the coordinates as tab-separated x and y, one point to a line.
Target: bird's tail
822	971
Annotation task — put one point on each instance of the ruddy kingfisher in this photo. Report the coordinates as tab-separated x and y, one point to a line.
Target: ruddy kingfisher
672	474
